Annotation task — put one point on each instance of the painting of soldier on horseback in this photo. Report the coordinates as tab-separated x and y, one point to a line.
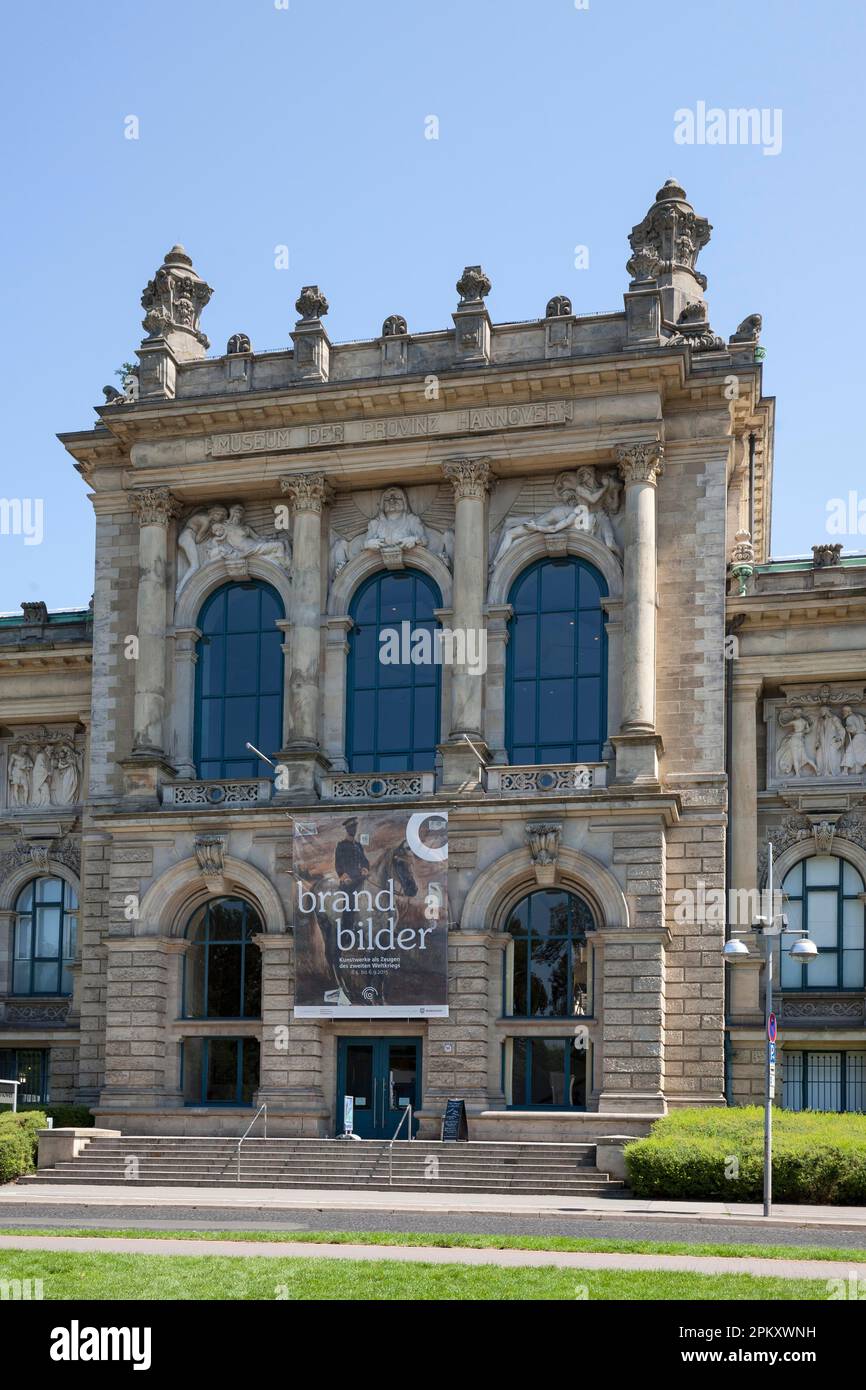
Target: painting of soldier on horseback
371	914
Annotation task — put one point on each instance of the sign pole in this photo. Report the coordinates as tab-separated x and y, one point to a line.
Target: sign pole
770	1019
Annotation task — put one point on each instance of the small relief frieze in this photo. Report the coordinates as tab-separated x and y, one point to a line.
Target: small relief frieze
816	734
390	524
584	500
223	533
44	768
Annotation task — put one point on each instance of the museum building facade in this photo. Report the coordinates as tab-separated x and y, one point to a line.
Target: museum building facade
476	629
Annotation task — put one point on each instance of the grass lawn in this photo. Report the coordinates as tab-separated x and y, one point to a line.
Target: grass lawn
471	1242
69	1275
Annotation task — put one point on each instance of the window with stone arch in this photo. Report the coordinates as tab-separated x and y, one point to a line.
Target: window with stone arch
222	976
392	706
45	937
556	664
824	896
238	680
548	959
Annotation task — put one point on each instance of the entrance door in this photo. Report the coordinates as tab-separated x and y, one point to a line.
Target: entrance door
383	1076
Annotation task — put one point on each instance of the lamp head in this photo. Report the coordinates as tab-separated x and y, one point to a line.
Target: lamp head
734	950
803	951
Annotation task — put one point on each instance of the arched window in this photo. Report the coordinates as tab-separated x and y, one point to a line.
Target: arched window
547	972
556	680
238	680
392	697
46	927
223	966
823	895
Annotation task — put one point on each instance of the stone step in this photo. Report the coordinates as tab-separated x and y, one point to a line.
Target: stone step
287	1174
306	1146
344	1178
405	1184
175	1161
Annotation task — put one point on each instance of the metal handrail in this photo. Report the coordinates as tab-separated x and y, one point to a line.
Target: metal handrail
407	1111
262	1107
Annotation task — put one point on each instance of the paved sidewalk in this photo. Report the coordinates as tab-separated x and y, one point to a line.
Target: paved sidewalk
513	1259
14	1196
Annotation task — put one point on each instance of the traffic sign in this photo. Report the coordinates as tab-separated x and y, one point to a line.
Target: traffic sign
771	1028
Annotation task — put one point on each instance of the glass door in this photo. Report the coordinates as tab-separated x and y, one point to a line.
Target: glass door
383	1076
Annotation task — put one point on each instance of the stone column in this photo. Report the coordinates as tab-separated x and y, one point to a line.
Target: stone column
632	1061
308	492
458	1047
155	507
744	777
336	655
498	617
744	979
471	479
185	660
637	745
140	1067
290	1076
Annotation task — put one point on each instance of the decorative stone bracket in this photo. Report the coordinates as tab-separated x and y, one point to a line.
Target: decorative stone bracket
210	853
544	839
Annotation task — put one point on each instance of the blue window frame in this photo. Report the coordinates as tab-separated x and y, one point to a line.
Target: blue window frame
824	1081
556	676
238	680
46	926
392	708
823	895
547	963
222	970
30	1066
220	1071
545	1074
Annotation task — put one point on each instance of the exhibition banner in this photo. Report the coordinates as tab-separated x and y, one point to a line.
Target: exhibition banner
371	915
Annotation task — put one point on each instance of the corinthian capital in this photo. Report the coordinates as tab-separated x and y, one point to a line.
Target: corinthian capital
154	506
640	463
308	491
470	477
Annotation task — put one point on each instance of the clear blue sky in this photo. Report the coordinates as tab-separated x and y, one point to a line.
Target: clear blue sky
260	126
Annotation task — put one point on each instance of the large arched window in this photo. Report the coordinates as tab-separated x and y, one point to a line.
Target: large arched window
556	681
239	680
223	966
547	964
46	926
392	698
823	895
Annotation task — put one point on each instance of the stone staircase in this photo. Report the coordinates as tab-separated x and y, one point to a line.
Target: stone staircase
541	1169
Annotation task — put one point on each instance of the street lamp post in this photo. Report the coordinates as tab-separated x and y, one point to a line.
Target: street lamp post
768	927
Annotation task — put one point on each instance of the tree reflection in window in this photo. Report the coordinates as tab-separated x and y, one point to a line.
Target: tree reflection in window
547	972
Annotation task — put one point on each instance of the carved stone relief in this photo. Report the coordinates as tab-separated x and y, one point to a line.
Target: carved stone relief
44	767
391	523
543	838
587	500
816	733
39	854
223	533
821	831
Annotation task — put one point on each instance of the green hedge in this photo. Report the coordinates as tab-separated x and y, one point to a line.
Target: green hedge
817	1157
18	1143
64	1116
